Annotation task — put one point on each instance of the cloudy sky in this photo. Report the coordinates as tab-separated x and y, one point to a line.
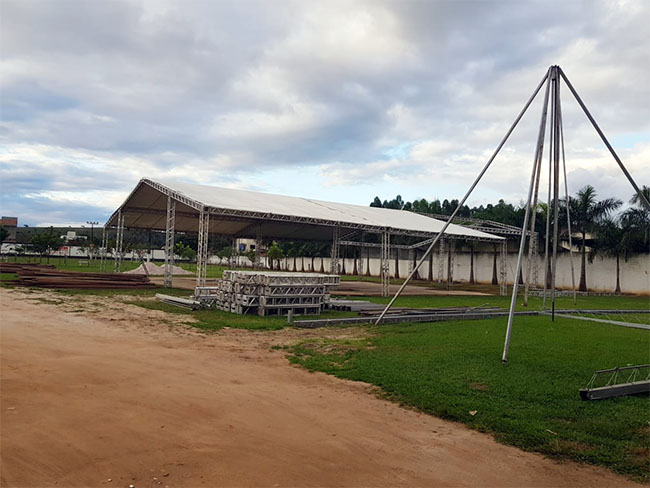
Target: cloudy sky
338	101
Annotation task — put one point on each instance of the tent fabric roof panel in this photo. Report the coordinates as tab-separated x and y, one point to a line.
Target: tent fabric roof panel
150	196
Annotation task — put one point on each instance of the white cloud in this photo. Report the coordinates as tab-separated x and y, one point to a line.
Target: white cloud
406	96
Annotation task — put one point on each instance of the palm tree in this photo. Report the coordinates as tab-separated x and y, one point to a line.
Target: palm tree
636	222
586	214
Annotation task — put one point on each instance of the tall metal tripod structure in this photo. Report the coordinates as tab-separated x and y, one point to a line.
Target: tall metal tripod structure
551	106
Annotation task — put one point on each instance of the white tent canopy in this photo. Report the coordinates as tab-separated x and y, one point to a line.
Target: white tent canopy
243	213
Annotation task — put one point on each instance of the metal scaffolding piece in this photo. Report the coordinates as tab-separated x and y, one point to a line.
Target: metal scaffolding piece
202	252
169	241
336	250
385	264
119	238
268	292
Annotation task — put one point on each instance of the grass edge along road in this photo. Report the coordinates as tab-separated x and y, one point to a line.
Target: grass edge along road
453	370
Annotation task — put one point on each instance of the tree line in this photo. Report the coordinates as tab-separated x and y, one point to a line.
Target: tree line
599	223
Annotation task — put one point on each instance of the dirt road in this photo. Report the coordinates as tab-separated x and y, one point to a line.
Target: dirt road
99	393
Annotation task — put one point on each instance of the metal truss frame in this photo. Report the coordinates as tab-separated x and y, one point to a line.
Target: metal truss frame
257	264
442	245
102	256
336	250
483	225
451	247
246	215
119	239
385	264
202	254
503	270
169	241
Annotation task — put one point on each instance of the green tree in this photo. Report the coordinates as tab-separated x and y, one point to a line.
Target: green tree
587	213
275	253
4	233
45	242
636	223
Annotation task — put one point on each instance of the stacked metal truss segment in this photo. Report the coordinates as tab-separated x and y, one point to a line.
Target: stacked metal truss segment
268	292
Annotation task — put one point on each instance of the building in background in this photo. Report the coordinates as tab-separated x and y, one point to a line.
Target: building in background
11	224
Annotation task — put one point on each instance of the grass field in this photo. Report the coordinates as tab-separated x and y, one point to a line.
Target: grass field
534	303
453	369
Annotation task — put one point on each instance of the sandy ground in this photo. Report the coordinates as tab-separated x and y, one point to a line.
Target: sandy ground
95	392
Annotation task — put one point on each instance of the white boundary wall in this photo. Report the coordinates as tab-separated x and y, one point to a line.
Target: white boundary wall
601	273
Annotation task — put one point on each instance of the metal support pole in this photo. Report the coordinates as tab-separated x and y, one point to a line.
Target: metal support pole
359	258
462	202
385	264
522	245
257	263
642	198
568	211
441	259
548	205
233	254
450	264
118	242
539	153
556	182
199	250
102	263
336	249
169	241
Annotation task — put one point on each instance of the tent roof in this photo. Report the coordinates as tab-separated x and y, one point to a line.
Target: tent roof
244	213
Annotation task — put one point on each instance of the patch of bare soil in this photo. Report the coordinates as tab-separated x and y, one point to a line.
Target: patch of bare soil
96	392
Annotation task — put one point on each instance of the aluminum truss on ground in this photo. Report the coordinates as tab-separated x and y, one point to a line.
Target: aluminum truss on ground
268	292
169	240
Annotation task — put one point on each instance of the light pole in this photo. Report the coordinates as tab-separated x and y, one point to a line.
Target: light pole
92	224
